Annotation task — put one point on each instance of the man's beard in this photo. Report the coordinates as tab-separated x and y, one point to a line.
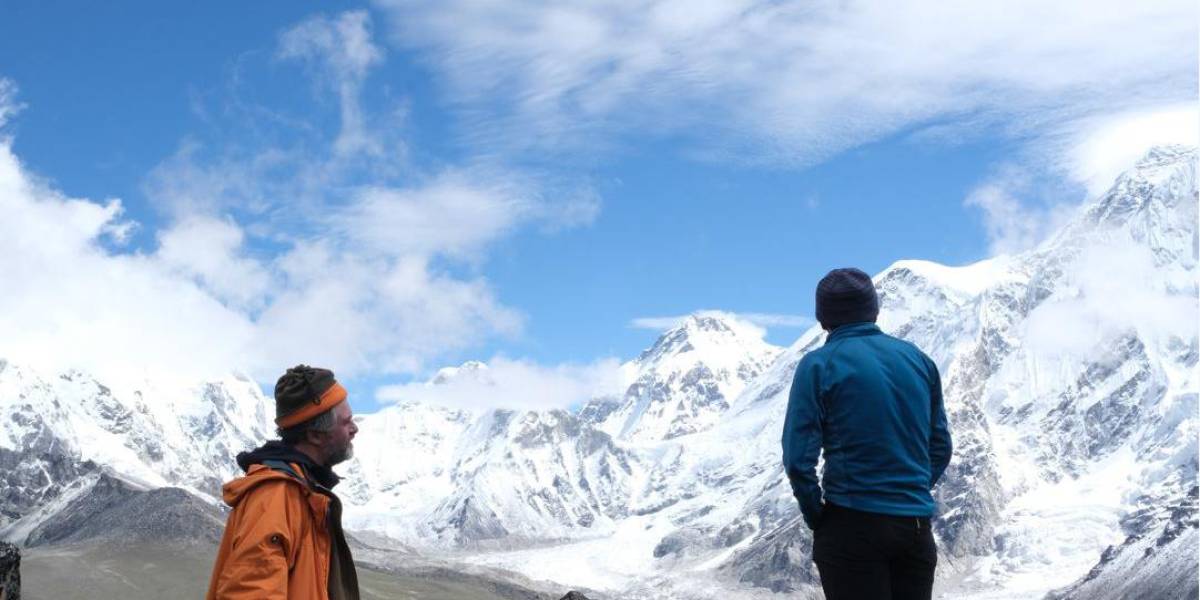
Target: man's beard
341	455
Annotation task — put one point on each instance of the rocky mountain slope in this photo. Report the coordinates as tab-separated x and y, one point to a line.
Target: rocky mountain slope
63	434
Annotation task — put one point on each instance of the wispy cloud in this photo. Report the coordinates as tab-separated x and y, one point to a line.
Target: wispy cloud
760	320
792	82
657	323
1107	145
343	50
1026	200
1111	289
1013	216
514	384
211	251
8	100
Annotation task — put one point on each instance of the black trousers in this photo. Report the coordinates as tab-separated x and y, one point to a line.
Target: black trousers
869	556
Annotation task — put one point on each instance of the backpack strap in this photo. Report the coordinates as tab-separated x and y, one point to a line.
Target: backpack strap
285	468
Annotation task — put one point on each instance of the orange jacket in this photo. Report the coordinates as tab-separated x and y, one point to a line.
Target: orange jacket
277	541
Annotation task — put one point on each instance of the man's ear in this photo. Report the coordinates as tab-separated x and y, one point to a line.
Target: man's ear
315	438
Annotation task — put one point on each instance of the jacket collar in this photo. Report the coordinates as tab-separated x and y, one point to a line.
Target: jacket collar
277	450
850	330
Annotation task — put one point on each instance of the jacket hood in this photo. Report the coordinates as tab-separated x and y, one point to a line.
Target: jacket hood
277	450
233	491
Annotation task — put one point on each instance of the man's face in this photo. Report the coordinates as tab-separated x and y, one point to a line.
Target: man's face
339	445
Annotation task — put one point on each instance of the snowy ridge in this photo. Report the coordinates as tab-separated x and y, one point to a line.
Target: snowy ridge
60	431
686	381
511	478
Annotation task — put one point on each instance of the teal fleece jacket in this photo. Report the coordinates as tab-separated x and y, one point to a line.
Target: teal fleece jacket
873	404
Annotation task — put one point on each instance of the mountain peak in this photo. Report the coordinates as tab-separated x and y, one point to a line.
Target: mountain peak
713	322
471	368
706	329
1165	155
1163	177
968	279
689	377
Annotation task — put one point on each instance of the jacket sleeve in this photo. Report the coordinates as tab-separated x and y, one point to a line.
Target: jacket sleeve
259	560
802	440
940	446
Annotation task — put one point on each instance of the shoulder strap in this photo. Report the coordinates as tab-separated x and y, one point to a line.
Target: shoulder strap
285	468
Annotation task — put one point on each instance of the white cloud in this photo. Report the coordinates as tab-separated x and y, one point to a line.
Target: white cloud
777	320
792	81
451	215
514	384
209	250
343	44
1013	217
200	305
1110	145
8	100
270	255
657	323
69	302
1113	288
344	51
191	182
374	315
456	213
1020	204
759	321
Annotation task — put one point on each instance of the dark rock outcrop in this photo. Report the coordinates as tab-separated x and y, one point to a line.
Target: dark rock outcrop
10	572
116	512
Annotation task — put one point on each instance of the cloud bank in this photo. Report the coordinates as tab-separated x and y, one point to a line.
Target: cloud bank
329	250
513	384
792	82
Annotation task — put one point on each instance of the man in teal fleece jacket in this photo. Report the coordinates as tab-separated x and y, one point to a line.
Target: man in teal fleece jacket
873	404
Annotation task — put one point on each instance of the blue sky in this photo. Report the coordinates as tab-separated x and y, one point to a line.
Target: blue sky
389	188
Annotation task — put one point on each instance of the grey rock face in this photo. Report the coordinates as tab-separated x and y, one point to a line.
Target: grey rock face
10	572
469	522
116	512
780	561
598	410
38	475
678	542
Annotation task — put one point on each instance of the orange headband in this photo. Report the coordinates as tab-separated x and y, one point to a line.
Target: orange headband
332	397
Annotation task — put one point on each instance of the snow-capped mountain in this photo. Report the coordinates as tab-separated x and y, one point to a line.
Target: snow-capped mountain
438	477
686	381
502	478
62	432
1070	381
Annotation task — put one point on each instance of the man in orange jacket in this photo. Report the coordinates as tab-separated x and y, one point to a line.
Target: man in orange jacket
284	537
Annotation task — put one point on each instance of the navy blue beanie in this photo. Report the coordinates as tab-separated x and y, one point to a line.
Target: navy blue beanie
846	296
